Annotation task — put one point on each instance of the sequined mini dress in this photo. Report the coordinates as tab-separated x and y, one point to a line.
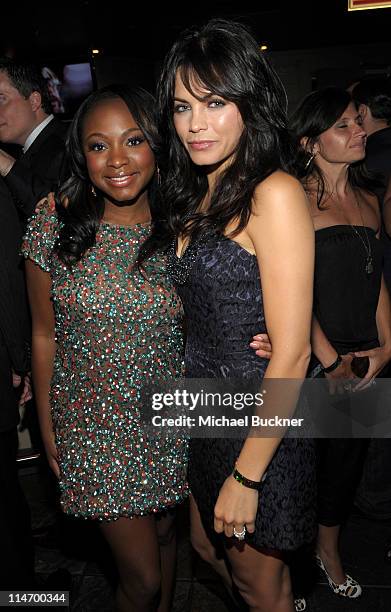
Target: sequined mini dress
116	331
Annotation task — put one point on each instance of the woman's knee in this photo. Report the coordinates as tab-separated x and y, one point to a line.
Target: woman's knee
141	585
263	594
262	598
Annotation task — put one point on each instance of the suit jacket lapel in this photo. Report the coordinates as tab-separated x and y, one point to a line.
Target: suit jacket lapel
42	136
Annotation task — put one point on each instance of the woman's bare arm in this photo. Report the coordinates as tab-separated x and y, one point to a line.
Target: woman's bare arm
43	352
282	233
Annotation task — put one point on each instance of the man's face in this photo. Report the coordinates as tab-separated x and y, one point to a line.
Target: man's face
17	117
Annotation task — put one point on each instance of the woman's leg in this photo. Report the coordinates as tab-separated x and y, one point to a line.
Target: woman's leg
262	578
340	464
203	546
327	548
166	533
135	548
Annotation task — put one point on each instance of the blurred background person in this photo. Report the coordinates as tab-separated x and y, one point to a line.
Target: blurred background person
387	210
26	119
351	302
16	551
351	331
372	97
373	101
53	85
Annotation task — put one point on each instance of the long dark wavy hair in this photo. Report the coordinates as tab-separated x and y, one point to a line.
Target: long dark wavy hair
317	113
81	216
223	58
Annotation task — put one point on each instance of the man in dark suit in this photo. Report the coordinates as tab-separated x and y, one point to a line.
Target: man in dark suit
373	101
26	120
16	550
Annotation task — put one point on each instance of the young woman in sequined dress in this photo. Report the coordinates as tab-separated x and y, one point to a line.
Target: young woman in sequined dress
104	326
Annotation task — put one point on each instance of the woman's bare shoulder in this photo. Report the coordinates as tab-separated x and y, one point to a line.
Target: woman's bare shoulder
279	189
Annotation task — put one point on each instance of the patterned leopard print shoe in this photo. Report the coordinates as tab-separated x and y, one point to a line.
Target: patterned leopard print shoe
300	604
350	588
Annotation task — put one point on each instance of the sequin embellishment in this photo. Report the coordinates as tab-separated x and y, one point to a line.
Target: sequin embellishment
179	268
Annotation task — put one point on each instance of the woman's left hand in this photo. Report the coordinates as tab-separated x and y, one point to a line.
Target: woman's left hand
378	358
236	507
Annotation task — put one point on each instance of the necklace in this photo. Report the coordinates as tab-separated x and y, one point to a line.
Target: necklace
366	243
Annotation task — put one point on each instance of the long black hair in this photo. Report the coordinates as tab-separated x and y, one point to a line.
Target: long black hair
318	112
224	58
81	216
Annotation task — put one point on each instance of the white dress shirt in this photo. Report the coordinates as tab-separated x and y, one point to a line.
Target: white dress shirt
31	137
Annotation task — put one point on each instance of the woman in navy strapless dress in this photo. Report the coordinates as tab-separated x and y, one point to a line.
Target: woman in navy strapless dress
242	258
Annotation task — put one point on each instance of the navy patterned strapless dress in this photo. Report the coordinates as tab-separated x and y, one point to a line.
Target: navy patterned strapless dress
220	286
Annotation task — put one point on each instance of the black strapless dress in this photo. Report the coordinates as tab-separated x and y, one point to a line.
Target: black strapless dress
345	303
345	296
220	286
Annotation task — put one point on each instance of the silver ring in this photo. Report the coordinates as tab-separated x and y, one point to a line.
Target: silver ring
240	534
347	387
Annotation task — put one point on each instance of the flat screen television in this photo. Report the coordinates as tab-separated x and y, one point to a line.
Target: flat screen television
69	83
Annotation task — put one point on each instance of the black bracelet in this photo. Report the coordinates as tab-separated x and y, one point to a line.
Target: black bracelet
246	482
334	365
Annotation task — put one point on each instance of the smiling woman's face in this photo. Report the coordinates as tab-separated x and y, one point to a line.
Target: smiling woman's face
120	162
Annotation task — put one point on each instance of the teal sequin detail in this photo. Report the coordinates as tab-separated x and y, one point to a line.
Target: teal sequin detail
116	331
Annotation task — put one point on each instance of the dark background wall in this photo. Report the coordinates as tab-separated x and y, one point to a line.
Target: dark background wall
311	43
303	70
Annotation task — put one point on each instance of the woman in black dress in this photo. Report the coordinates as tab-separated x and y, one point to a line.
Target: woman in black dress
351	323
242	255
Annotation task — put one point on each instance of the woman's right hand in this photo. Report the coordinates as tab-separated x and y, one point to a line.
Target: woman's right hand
338	378
51	452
